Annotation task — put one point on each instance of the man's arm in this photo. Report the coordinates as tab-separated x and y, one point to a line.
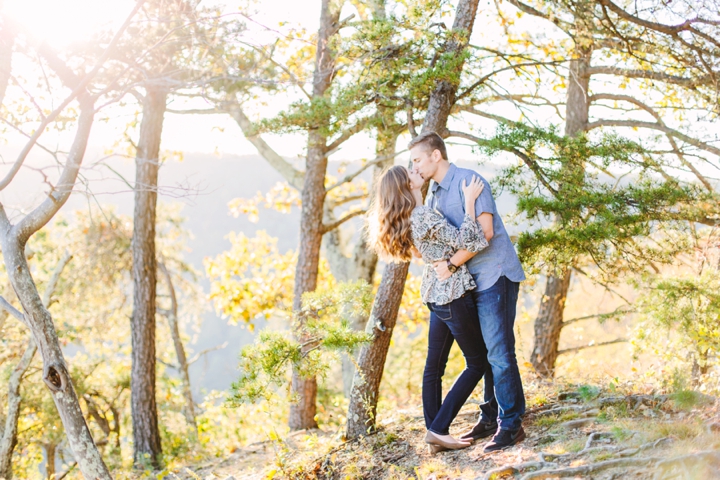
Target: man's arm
462	256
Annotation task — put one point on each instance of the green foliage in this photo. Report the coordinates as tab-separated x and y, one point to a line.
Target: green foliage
596	217
322	329
687	399
90	308
620	434
691	301
588	392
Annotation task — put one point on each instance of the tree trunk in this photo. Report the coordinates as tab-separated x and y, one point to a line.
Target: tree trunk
443	97
9	433
55	372
304	390
50	450
371	360
146	434
172	318
549	322
364	261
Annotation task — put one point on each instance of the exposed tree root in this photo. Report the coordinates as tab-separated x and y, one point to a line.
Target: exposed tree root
623	452
515	469
634	400
661	463
591	468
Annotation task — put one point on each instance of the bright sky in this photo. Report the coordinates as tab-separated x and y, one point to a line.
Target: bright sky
63	22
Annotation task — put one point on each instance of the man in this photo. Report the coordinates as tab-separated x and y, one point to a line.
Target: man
497	273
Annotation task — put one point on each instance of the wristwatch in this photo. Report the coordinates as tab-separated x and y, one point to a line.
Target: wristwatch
452	268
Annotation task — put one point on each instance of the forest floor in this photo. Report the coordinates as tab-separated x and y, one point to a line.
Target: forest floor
579	433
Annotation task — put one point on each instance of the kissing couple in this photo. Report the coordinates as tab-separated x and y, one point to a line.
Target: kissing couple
470	284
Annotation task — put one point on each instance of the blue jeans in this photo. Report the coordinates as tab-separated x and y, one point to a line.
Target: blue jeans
456	321
496	310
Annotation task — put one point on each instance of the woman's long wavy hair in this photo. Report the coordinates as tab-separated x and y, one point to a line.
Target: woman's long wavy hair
389	230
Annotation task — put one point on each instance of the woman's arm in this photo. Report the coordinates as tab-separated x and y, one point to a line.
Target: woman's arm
472	238
471	234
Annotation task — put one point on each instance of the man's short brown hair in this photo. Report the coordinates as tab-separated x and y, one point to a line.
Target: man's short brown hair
431	141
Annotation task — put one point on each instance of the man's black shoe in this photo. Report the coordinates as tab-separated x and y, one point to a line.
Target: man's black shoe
480	430
504	439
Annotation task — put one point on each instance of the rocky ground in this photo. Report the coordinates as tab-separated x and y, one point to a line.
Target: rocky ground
575	434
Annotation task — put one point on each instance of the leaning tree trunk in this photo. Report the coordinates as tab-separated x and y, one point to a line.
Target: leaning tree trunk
146	433
371	360
549	322
8	435
36	316
304	389
364	260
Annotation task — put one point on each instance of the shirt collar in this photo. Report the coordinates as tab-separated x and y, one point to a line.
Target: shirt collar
448	178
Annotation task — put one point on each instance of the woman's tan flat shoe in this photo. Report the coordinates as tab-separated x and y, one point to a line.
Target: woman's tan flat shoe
437	444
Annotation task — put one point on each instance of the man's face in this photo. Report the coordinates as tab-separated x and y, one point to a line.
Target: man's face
425	161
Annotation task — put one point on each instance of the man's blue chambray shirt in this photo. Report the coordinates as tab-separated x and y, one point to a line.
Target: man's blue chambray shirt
500	257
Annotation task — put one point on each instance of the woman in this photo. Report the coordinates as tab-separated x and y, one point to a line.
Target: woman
400	223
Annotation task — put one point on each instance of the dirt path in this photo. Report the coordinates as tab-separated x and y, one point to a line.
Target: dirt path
612	437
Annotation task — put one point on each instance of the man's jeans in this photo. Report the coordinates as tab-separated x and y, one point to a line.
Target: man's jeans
455	321
496	309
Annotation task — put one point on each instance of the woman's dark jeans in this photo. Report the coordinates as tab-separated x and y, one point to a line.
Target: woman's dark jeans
456	321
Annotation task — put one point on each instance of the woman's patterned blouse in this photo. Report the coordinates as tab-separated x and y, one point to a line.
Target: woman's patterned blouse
436	239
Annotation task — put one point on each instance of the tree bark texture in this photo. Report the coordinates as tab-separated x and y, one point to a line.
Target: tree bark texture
362	409
8	434
361	266
304	390
146	434
36	316
55	371
549	322
183	367
371	360
443	97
